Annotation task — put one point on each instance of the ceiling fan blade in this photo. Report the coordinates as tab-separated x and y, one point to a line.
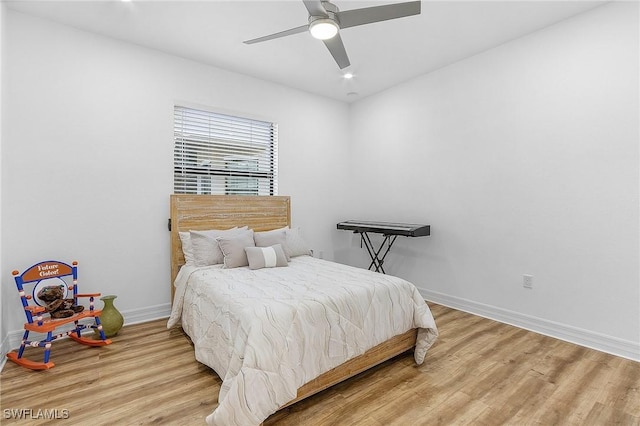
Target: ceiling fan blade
337	50
292	31
368	15
315	7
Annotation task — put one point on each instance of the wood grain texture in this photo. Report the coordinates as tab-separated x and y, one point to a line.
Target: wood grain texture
374	356
201	212
479	372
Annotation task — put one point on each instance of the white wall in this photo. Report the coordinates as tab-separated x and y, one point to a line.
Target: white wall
4	330
524	159
87	157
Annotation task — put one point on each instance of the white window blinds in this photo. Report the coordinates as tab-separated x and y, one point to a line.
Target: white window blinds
222	154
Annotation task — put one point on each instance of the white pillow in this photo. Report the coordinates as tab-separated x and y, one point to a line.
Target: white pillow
296	246
187	250
205	247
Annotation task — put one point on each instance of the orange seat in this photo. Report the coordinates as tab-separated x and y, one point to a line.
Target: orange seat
63	279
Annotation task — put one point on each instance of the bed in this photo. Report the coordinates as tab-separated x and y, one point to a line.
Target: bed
278	335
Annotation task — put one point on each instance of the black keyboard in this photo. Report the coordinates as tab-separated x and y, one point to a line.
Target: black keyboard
386	228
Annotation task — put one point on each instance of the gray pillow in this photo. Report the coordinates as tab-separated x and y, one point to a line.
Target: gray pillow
232	248
271	238
205	248
266	257
296	246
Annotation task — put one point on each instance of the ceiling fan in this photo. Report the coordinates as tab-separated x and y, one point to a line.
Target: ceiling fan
326	21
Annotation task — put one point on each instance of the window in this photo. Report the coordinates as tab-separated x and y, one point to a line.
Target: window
222	154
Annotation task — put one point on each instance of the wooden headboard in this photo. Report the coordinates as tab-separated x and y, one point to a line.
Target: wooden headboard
200	212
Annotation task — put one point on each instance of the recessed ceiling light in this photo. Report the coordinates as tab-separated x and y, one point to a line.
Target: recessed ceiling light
348	76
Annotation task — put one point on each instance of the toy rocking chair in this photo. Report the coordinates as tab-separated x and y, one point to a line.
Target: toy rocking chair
50	284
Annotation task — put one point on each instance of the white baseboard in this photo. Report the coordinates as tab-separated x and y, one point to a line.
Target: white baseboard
612	345
150	313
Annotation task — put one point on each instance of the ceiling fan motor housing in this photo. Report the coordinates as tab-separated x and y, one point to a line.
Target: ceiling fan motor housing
331	10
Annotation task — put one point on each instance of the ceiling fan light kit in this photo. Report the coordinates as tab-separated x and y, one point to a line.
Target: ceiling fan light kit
323	28
326	21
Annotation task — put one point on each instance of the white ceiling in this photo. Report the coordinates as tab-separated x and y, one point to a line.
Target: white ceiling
382	54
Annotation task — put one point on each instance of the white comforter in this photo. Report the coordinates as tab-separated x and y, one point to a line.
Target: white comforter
267	332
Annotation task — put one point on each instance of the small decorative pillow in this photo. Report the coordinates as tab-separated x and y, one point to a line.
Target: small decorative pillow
296	246
271	238
205	247
232	248
266	257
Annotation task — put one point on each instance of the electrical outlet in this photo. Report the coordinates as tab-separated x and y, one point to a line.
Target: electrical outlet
527	281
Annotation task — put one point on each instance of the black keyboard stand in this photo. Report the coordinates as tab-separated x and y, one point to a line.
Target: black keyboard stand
376	260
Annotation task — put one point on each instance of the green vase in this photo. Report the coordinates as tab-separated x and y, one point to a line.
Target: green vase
110	318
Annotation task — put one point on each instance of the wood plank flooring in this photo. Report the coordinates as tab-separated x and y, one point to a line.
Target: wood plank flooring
480	372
